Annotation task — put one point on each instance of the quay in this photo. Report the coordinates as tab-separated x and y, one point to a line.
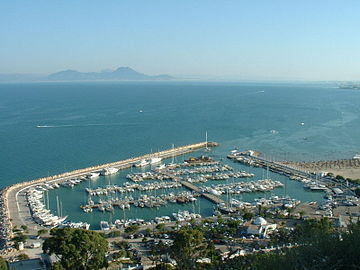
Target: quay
210	197
17	212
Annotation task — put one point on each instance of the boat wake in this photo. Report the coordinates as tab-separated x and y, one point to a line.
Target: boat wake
55	126
84	125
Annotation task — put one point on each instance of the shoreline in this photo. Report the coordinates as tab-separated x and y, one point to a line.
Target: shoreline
10	211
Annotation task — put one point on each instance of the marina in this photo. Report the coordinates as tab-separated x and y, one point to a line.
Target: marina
16	204
118	196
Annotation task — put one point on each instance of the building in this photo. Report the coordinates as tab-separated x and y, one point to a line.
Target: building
260	227
32	264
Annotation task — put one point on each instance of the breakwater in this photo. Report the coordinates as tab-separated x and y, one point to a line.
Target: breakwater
10	214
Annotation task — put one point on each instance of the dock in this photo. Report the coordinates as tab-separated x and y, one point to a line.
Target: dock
210	197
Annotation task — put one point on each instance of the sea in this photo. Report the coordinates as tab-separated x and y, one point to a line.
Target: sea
49	128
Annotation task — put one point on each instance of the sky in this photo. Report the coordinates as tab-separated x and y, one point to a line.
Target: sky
219	39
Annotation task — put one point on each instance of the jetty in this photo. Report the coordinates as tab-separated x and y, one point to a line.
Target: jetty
210	197
16	211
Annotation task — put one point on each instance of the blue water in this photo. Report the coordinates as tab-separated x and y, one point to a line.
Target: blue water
93	123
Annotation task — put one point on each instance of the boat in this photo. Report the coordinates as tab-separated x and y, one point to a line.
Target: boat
104	225
142	163
108	171
155	160
93	175
357	156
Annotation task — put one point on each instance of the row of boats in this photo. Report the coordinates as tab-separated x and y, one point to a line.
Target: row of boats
39	213
242	187
274	202
131	187
123	223
311	184
142	201
218	176
147	162
172	172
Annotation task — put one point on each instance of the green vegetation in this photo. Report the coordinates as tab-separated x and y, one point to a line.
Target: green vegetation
77	249
121	245
189	245
162	266
248	216
19	237
318	246
3	264
124	250
42	232
160	227
132	229
22	257
113	234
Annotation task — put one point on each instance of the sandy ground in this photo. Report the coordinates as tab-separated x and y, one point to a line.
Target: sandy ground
348	168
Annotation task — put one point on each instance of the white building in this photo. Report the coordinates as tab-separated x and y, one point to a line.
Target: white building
260	227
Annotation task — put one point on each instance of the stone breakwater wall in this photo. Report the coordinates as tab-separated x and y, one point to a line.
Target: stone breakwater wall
6	225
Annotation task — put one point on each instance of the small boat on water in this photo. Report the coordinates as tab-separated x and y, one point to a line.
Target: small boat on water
155	160
104	225
142	163
109	171
93	175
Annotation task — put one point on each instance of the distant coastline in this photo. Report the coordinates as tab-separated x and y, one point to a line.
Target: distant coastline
120	74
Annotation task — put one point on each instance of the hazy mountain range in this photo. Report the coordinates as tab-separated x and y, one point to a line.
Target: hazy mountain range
120	74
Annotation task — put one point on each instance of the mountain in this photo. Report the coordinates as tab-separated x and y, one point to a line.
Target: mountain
122	73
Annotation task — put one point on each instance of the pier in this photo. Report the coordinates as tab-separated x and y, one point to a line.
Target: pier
17	212
210	197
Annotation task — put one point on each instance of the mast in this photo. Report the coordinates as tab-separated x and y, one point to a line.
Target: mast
57	205
61	209
173	154
47	199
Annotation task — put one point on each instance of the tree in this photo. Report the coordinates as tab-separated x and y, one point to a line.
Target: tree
19	237
22	257
160	226
3	264
132	229
248	215
42	231
77	249
162	266
301	213
189	245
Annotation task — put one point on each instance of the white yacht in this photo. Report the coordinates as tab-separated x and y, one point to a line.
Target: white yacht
155	160
93	175
142	163
108	171
104	225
